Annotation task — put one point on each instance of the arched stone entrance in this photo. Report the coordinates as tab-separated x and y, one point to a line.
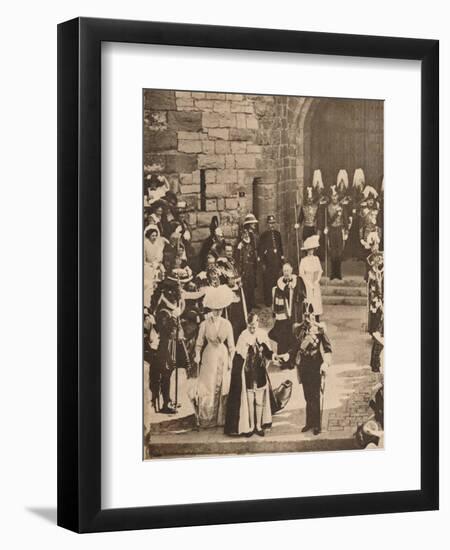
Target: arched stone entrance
310	133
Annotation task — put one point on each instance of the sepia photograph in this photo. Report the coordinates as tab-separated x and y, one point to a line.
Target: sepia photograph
263	274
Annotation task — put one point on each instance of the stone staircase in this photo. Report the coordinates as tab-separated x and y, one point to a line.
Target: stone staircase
351	291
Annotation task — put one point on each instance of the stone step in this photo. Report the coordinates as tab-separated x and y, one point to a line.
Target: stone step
345	282
344	300
335	441
335	290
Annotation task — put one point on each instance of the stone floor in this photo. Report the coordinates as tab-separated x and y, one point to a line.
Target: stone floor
348	388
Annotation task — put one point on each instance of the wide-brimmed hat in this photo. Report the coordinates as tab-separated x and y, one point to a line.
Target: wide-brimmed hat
250	218
311	242
180	275
218	297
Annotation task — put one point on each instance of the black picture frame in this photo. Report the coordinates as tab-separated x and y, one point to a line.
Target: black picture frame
79	274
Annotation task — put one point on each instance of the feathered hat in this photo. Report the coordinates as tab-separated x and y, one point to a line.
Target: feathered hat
218	297
311	242
342	180
370	192
358	178
317	183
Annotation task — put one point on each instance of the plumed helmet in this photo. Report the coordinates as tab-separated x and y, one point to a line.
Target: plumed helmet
359	179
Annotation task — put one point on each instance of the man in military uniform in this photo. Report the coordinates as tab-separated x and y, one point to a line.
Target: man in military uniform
307	218
270	253
336	230
312	360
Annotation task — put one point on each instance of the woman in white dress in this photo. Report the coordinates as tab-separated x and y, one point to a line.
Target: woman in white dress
310	270
215	360
153	260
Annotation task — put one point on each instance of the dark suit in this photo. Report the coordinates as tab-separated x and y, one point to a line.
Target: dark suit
270	252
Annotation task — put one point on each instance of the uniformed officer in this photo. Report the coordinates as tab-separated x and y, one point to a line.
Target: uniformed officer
336	229
312	359
270	253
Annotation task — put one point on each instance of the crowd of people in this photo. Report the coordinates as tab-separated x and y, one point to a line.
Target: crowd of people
201	311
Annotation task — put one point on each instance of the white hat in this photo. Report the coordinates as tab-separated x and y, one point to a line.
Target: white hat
153	227
317	180
250	218
218	297
342	176
311	242
358	178
369	190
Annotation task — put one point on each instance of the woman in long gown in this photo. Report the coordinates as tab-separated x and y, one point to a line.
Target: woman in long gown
249	399
215	360
153	261
310	271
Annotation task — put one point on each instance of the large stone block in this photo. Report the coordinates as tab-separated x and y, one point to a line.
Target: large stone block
229	161
172	163
227	120
157	100
183	94
190	146
211	161
189	189
245	161
216	190
222	147
235	97
208	147
210	120
241	134
226	176
186	179
241	107
210	176
215	95
241	120
185	104
204	104
252	122
211	205
238	147
251	148
221	106
185	121
198	95
192	135
231	203
218	133
220	204
164	140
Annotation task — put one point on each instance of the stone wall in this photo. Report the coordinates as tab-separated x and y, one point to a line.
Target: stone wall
223	135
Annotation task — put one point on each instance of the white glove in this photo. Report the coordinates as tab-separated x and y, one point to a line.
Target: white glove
324	369
325	231
296	226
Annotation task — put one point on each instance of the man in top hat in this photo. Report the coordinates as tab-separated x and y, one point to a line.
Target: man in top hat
246	261
270	253
337	231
